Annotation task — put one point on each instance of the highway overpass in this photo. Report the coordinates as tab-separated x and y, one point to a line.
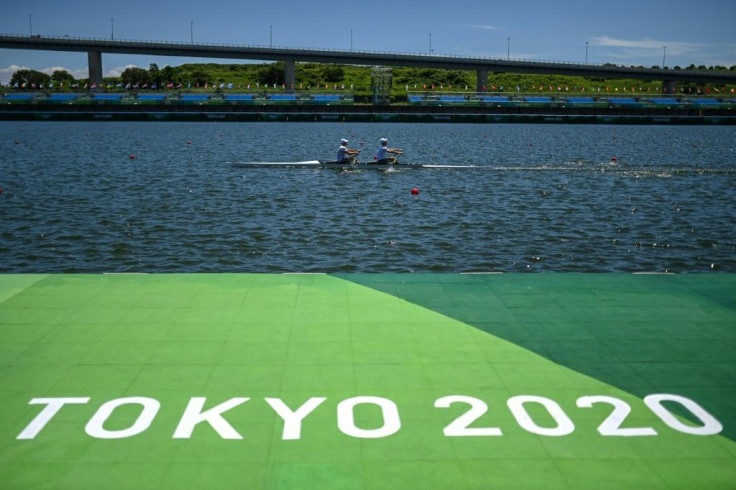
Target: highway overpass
482	66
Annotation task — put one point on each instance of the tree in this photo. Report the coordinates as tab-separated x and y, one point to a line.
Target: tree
333	73
167	74
30	78
154	74
199	77
62	76
273	73
134	76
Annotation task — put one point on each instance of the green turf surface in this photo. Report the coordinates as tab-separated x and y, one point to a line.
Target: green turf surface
641	333
376	356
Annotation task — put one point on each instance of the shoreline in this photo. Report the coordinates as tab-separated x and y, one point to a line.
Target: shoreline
400	114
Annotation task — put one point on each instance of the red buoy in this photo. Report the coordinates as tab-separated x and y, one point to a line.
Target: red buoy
613	159
414	191
132	157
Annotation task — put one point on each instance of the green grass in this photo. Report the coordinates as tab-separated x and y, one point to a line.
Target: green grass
357	79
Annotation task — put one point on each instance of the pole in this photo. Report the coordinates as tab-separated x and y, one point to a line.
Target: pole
270	36
351	39
508	48
112	29
30	23
586	52
191	31
430	43
664	54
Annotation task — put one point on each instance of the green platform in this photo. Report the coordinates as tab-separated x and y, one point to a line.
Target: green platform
377	357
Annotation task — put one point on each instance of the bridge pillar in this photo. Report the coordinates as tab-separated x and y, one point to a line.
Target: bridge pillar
94	61
481	80
290	75
669	87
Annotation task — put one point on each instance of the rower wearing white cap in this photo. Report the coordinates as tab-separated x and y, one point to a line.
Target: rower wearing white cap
382	155
344	153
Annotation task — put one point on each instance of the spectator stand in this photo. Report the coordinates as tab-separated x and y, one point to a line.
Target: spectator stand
19	98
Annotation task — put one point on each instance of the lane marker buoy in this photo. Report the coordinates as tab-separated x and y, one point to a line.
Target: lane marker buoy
414	191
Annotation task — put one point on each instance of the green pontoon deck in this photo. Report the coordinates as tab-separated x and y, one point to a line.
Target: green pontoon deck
368	381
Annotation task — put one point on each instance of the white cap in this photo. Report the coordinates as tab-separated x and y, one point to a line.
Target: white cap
383	140
343	141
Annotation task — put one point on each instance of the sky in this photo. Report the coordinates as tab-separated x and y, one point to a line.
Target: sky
625	32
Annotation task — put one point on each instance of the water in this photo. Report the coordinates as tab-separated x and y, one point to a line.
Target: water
549	198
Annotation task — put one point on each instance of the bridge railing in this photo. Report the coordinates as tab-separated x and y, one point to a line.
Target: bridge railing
121	41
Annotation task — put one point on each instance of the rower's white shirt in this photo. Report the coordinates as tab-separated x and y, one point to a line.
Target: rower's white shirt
381	153
341	153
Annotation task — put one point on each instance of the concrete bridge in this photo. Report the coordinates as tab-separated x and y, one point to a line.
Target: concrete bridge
482	66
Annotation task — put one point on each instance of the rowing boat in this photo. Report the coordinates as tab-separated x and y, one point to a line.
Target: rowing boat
379	165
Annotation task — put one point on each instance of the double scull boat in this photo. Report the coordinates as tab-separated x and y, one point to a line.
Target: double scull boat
379	165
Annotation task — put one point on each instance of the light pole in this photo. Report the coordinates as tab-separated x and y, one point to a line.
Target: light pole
586	52
112	29
430	43
664	54
30	23
351	39
191	31
508	48
270	36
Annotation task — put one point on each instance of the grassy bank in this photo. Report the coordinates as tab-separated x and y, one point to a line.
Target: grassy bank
269	77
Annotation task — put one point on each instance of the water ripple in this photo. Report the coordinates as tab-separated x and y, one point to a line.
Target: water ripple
544	198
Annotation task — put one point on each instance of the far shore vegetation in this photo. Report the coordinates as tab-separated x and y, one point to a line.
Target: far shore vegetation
356	80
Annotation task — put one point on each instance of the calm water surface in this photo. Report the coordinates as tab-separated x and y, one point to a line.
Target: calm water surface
548	198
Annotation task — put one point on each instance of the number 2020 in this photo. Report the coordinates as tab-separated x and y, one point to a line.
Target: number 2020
563	425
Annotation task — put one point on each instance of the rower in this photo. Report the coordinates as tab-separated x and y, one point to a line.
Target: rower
382	155
345	154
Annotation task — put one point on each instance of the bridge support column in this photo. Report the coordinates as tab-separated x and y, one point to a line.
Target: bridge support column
94	61
669	87
481	80
290	75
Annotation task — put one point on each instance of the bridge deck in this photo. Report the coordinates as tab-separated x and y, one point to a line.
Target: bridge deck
357	57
